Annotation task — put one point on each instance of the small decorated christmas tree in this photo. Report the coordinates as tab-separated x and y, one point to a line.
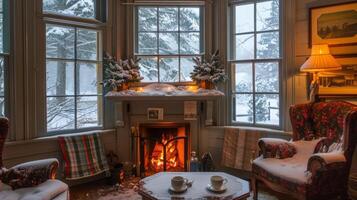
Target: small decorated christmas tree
209	71
121	72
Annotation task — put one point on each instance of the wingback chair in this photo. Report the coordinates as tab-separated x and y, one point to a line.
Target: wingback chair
316	163
31	180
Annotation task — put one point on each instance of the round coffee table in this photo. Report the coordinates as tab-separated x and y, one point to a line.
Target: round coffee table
157	186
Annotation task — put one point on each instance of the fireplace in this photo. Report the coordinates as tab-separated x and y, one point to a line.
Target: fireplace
163	147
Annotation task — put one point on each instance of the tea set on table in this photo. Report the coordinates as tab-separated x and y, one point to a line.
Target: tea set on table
180	184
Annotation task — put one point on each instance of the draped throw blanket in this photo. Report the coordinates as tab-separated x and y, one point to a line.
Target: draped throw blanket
240	147
83	156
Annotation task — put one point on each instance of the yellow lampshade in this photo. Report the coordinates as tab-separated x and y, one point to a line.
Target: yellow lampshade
320	60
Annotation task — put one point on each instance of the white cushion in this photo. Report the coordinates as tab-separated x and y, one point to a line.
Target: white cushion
45	191
291	169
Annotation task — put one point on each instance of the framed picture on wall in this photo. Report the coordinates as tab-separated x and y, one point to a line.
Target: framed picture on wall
341	82
335	25
155	113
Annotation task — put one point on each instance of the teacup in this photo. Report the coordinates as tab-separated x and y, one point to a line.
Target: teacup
178	182
217	182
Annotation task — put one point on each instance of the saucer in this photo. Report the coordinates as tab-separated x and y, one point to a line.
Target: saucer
181	190
221	190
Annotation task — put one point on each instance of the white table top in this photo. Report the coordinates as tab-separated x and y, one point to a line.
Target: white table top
157	186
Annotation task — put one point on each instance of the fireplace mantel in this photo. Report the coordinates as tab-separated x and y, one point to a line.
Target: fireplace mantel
159	92
164	92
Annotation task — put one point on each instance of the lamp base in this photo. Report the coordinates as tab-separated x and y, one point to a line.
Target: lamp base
314	91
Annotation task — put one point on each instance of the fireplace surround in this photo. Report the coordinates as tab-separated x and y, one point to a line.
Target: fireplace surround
131	109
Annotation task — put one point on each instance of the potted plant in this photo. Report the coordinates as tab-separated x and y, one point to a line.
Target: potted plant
119	74
209	72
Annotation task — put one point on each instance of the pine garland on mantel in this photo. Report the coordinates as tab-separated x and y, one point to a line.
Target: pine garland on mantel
209	70
120	72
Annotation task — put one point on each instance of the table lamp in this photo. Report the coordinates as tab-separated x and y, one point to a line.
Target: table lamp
320	61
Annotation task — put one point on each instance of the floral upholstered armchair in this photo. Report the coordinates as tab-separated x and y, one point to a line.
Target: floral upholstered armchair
316	163
31	180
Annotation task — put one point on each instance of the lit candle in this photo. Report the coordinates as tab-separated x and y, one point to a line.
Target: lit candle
192	87
140	89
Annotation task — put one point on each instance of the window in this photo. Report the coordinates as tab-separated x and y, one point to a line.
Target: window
77	8
73	72
167	38
256	63
73	68
4	50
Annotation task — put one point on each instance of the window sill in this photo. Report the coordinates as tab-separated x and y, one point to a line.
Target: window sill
269	130
54	137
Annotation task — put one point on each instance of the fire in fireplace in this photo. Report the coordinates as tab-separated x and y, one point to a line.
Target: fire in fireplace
163	147
171	150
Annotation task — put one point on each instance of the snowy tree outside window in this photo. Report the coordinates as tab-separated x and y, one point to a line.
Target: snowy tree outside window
167	38
256	63
73	74
77	8
4	50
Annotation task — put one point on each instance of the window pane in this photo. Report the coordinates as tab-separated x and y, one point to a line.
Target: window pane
79	8
147	43
189	19
267	77
244	18
178	27
147	19
190	43
2	106
59	78
2	76
267	109
244	77
268	15
87	44
89	77
60	113
59	42
168	43
149	69
168	19
186	68
1	32
244	47
88	111
243	108
268	45
169	70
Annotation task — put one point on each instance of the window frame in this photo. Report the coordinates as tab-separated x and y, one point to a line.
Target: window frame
233	61
99	13
179	56
5	54
5	59
77	23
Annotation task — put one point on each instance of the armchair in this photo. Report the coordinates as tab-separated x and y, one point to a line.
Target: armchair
316	163
30	180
